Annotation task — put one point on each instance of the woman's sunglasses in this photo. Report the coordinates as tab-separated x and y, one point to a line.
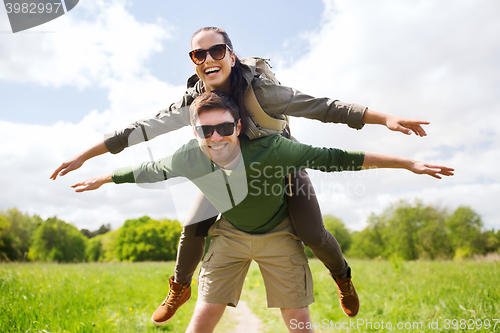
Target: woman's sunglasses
217	52
224	129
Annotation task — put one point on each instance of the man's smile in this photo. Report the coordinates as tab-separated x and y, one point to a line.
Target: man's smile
217	146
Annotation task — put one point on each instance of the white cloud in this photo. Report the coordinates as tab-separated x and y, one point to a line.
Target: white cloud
108	47
429	60
82	52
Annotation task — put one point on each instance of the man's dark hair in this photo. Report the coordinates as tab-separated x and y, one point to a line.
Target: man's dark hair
211	100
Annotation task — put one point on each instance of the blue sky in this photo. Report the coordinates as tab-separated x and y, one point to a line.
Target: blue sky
107	63
69	103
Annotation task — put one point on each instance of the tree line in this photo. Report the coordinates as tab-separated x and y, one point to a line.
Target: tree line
404	230
29	238
412	231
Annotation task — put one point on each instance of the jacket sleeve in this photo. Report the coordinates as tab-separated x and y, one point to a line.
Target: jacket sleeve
170	119
278	100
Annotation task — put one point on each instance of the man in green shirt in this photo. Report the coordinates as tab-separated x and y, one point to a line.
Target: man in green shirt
244	180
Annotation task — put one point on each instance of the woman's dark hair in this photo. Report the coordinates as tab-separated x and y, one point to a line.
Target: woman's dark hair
211	100
238	83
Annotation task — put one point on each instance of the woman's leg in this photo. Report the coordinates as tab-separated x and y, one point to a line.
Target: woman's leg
189	254
308	223
192	241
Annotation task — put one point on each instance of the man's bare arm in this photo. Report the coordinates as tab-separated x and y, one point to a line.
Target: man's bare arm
373	160
92	183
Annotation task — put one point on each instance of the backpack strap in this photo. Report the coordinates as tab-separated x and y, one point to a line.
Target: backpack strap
260	116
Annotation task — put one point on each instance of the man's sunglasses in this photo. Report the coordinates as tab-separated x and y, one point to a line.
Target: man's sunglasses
217	52
224	129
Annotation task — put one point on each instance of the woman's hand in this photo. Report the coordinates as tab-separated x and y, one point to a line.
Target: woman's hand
77	161
92	183
67	166
399	124
406	126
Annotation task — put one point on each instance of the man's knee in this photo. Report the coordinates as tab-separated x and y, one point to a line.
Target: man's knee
298	313
297	320
205	317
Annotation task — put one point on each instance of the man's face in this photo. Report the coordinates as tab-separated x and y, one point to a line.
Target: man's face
222	150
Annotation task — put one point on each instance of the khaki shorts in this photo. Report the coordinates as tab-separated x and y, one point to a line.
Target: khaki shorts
281	258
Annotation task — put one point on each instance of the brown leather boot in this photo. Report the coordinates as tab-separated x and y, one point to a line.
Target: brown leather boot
177	295
349	300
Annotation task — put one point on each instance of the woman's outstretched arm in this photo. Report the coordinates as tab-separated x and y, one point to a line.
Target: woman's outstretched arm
76	161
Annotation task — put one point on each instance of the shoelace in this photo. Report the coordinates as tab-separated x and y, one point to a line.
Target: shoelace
172	297
346	289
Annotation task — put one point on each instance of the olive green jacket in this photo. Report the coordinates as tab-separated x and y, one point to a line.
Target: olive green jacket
276	100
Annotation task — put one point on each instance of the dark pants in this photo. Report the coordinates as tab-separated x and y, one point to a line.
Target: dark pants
304	213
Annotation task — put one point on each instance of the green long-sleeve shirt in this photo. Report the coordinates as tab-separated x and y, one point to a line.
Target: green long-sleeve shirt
251	196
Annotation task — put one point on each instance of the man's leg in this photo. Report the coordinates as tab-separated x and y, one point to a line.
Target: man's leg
297	320
286	275
205	317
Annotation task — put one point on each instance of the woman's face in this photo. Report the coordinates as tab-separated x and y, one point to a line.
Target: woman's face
214	73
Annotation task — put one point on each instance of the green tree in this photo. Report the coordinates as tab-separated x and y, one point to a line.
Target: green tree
16	237
432	236
146	239
56	240
492	240
405	231
108	241
464	227
94	249
102	248
369	243
403	222
338	229
101	231
7	243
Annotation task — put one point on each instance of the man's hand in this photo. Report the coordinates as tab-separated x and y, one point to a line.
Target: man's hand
92	183
374	160
406	126
435	171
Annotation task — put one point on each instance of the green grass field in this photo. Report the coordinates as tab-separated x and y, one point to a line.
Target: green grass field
120	297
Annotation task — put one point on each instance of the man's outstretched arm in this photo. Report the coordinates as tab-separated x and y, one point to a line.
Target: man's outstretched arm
92	183
373	160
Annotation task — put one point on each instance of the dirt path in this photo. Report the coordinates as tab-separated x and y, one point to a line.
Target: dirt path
247	321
